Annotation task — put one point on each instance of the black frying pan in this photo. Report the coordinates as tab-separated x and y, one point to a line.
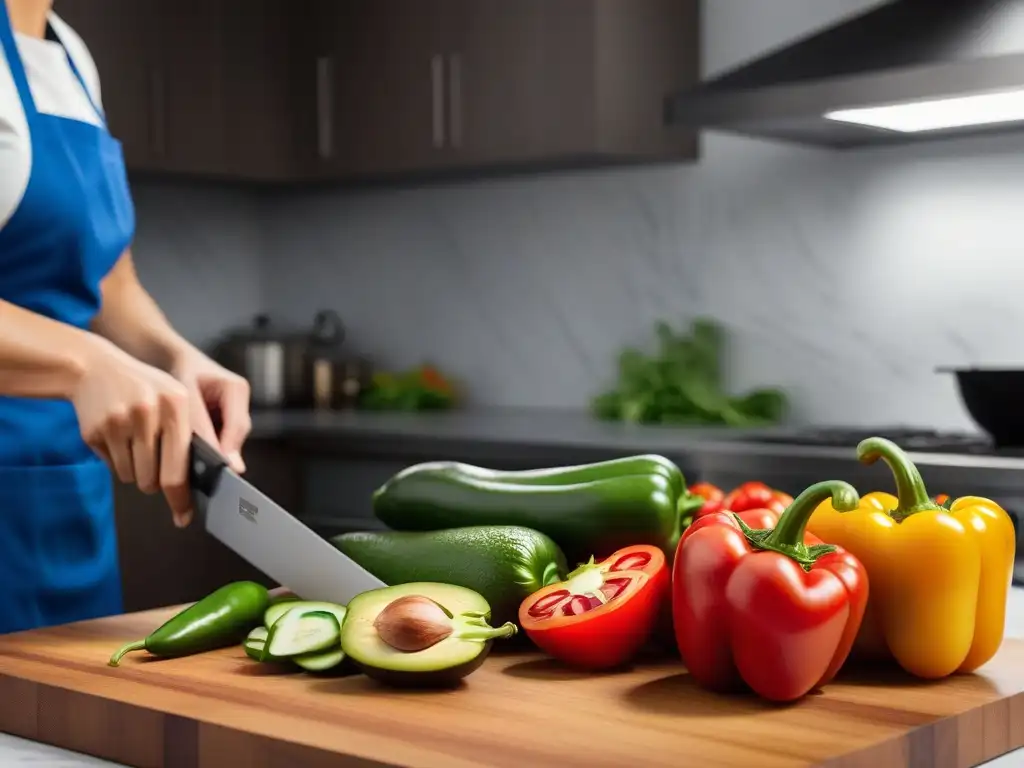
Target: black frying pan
994	397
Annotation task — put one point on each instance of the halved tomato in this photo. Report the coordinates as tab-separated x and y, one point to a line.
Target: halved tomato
600	616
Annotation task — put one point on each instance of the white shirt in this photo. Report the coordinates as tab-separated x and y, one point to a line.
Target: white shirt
55	91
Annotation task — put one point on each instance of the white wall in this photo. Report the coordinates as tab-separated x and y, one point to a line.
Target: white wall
845	277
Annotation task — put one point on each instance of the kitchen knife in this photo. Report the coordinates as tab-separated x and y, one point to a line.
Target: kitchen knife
268	537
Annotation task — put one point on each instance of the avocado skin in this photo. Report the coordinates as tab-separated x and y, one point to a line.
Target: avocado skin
504	564
450	677
347	668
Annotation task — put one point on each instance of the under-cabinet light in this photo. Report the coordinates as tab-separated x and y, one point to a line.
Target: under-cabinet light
936	114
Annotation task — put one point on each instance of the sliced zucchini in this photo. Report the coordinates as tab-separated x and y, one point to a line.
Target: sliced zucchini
300	632
254	643
276	611
320	662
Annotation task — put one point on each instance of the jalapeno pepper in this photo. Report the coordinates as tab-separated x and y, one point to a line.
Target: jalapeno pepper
220	619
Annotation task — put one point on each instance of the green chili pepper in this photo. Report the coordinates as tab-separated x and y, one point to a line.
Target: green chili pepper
218	620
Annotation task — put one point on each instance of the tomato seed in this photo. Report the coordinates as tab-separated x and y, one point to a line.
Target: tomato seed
580	604
613	588
546	604
632	561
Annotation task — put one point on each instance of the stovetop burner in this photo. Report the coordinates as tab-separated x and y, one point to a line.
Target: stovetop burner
908	438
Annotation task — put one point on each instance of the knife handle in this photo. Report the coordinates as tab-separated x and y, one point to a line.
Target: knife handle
204	466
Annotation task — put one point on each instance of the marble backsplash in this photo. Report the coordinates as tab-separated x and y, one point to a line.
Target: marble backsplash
843	277
199	251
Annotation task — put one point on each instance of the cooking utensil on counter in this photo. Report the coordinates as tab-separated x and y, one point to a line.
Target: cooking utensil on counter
325	341
335	378
258	354
992	398
338	382
268	537
279	364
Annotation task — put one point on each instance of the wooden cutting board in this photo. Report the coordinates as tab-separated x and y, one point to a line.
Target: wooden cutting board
221	709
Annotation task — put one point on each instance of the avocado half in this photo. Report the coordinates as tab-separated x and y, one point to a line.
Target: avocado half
463	615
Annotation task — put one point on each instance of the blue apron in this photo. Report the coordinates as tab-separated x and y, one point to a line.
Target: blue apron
58	542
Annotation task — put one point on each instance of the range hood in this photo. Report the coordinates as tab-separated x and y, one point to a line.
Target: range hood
905	71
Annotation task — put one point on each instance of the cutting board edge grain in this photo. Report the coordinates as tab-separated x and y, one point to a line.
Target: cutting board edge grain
157	739
211	710
79	715
990	730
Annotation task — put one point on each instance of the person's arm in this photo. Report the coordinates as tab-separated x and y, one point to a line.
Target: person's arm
131	319
40	357
133	415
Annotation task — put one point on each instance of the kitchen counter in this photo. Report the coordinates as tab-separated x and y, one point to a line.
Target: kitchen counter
564	430
717	454
567	429
344	456
19	752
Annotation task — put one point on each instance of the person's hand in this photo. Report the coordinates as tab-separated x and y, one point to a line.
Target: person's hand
214	389
136	418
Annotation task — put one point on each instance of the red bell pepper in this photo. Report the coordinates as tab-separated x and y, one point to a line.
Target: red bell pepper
600	616
712	496
770	606
756	495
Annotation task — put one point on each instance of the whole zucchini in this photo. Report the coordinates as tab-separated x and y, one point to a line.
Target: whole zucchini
643	464
584	519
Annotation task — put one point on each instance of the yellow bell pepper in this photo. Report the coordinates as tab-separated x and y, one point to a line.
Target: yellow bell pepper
939	578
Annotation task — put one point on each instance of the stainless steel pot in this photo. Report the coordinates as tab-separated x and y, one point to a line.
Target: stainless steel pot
277	364
257	353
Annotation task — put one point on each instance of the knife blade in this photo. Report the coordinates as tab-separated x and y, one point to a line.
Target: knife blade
264	534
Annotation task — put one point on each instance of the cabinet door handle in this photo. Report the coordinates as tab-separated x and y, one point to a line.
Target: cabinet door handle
455	97
437	99
325	106
158	113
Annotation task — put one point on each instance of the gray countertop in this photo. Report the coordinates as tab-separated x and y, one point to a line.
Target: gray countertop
722	455
19	752
566	430
530	427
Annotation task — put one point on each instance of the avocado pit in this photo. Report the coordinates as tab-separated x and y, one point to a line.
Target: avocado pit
413	623
420	634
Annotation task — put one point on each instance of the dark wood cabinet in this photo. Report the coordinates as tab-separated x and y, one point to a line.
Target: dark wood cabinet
362	89
264	112
477	84
642	50
495	84
192	106
121	36
385	69
195	88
